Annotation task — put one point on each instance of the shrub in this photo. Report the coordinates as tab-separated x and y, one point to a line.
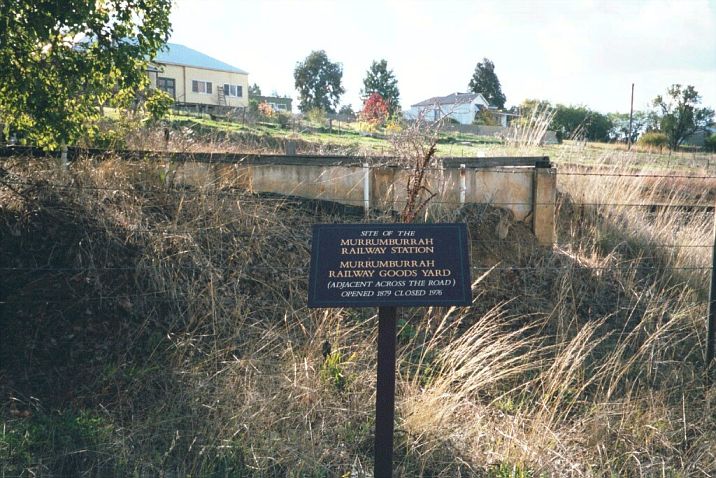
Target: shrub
284	119
366	127
265	109
710	143
394	125
316	115
375	110
653	139
485	117
157	104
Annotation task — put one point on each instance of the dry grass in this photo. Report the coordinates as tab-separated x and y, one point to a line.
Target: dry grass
585	360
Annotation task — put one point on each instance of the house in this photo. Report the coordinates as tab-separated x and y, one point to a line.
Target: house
198	81
277	103
461	107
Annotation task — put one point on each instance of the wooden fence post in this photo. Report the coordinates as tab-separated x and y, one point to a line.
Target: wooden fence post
366	189
711	331
463	184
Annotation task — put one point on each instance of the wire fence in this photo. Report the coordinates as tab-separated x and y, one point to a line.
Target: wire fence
287	198
38	266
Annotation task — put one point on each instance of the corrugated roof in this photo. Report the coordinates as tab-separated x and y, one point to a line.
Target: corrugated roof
453	99
183	55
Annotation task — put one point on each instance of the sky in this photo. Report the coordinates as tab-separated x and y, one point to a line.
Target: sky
570	52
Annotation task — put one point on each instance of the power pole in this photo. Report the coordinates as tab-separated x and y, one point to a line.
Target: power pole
631	116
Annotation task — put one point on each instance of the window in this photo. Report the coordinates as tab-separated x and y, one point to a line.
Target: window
167	85
198	86
233	90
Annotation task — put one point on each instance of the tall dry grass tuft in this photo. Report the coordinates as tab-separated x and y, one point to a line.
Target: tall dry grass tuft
581	360
619	200
613	383
532	131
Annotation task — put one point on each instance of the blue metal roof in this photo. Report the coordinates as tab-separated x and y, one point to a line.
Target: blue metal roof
183	55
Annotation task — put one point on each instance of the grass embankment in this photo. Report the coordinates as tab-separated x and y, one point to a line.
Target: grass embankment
201	132
149	331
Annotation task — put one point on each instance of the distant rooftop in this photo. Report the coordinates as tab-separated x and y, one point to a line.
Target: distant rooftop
452	99
177	54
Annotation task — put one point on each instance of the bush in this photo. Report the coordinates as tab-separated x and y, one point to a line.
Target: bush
157	104
265	109
653	139
394	125
710	143
284	119
366	127
316	115
375	110
485	117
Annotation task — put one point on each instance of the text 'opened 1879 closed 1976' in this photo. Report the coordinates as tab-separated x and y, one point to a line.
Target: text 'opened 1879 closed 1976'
367	265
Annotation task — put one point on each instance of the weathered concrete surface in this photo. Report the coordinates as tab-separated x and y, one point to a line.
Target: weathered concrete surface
508	188
335	183
233	176
200	175
390	188
523	190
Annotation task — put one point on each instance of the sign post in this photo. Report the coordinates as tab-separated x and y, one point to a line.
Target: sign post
388	266
385	392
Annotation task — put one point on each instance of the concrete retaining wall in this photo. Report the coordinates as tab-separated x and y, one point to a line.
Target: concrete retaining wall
529	192
525	185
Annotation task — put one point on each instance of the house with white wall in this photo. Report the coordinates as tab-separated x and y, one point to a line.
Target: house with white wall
197	80
461	107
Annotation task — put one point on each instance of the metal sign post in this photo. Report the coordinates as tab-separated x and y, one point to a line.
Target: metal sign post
388	266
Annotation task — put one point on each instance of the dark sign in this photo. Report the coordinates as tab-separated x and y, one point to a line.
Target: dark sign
366	265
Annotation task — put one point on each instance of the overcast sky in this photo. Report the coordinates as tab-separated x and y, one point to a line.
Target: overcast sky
570	52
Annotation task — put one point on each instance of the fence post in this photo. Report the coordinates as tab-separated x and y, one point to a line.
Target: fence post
544	197
711	331
463	184
366	189
63	155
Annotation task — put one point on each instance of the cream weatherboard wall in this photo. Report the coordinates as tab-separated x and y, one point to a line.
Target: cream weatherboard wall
184	75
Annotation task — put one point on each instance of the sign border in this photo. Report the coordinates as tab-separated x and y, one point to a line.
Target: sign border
464	270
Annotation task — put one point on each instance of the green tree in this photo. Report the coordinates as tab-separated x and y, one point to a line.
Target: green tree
528	107
61	61
572	121
620	126
679	115
485	117
318	81
710	143
485	81
379	79
347	111
254	90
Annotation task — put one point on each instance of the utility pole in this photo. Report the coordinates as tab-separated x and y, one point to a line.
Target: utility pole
631	116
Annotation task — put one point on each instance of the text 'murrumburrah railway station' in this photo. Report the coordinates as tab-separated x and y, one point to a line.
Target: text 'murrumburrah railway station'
364	265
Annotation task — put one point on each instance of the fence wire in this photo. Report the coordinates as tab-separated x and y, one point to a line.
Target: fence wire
25	187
